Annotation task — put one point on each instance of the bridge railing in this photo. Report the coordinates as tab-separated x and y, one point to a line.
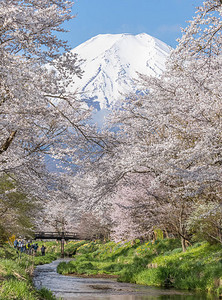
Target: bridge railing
57	235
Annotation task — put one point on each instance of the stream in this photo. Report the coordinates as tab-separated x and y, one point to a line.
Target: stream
76	288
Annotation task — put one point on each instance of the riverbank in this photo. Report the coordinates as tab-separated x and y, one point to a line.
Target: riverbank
78	287
161	263
16	275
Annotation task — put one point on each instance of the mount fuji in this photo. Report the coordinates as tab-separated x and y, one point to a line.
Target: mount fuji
110	63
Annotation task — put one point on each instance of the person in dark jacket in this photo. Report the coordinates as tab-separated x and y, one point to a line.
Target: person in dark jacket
43	250
35	247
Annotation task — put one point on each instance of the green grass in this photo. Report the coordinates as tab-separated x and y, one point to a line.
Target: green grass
15	275
47	259
17	289
16	270
72	246
161	263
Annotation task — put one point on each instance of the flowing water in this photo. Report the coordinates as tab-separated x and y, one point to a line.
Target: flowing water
76	288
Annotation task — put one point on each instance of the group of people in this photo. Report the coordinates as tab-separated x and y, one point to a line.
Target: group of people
27	247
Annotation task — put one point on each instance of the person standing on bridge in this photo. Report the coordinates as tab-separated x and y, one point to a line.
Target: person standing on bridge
43	250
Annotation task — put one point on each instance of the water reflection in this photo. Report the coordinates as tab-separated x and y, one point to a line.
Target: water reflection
75	288
138	297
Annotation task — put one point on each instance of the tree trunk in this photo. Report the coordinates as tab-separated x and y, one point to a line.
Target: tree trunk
8	142
183	243
182	230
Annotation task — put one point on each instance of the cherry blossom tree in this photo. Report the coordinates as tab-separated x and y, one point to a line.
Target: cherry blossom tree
31	118
17	210
205	222
41	119
91	227
173	132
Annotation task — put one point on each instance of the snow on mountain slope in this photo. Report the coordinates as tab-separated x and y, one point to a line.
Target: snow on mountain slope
110	65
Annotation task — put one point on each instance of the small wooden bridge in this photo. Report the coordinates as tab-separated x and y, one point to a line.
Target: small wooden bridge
59	236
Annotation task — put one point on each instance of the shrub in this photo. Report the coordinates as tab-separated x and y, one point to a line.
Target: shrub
176	250
46	294
71	247
47	259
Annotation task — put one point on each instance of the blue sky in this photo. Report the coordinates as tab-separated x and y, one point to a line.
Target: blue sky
161	19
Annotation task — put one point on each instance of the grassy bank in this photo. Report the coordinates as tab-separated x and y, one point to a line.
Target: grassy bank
161	263
16	273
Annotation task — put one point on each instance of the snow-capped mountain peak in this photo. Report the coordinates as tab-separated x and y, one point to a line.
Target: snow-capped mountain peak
111	62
